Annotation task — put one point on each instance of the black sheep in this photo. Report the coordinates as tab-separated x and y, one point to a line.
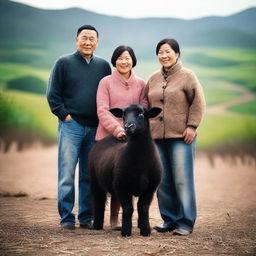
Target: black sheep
126	169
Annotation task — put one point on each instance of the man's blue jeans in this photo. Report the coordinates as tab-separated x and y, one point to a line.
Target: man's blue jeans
176	193
75	142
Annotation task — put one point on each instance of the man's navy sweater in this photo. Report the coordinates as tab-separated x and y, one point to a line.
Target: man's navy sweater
73	86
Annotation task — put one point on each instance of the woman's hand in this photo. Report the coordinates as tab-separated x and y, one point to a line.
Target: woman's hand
121	136
189	134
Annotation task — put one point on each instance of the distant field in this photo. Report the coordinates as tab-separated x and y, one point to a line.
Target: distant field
216	69
9	71
232	65
217	130
235	55
245	108
34	57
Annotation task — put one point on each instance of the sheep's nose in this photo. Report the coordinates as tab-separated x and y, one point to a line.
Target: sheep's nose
129	128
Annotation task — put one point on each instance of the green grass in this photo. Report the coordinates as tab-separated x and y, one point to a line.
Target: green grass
217	130
217	91
245	108
11	114
35	109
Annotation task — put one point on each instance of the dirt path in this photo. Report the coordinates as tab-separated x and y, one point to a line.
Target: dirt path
222	109
226	222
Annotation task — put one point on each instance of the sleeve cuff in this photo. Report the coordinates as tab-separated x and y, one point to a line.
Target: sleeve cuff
192	126
62	115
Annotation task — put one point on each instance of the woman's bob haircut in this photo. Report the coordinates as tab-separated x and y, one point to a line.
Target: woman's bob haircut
119	50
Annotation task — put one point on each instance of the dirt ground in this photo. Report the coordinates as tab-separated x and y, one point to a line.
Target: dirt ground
226	222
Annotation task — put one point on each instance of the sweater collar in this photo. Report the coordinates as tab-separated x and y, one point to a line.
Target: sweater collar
124	81
176	67
77	53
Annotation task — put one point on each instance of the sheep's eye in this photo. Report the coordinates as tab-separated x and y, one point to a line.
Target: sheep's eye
140	115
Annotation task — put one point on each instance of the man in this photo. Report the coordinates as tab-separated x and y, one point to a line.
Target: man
71	95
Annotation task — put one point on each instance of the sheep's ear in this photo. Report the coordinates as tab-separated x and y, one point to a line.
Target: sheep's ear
153	112
117	112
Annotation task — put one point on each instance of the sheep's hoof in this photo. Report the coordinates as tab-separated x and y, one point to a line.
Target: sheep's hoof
126	234
117	228
145	232
97	227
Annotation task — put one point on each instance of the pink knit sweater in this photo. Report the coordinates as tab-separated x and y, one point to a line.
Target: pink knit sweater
115	91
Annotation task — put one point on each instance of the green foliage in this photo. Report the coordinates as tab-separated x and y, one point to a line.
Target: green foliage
27	84
245	108
27	111
11	71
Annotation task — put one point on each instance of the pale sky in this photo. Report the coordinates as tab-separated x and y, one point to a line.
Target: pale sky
184	9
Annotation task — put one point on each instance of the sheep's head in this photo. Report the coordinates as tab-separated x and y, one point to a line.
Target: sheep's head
135	117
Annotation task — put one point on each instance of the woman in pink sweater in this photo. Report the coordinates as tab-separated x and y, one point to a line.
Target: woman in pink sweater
118	90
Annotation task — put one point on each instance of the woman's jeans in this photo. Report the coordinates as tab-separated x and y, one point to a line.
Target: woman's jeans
75	142
176	193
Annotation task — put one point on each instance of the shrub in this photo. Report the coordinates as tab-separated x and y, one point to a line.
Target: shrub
28	84
11	114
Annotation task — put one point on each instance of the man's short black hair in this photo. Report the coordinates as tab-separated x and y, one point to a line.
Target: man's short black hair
172	42
89	27
119	50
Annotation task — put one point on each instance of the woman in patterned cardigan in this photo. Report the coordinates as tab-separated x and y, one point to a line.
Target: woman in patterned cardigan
178	92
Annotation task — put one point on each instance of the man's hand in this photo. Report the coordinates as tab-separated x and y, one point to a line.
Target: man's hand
189	135
68	118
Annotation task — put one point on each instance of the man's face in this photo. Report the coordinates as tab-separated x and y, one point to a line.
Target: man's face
87	42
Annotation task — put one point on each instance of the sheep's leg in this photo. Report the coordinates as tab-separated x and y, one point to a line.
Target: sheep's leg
127	207
114	210
99	200
143	213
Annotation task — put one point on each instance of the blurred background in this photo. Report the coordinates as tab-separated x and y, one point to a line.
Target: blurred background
221	50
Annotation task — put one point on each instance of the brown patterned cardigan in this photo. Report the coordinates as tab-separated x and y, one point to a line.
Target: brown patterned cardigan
179	93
